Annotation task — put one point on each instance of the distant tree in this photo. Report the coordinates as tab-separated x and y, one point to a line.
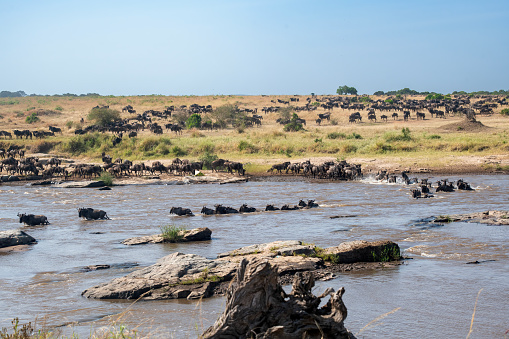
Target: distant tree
379	93
285	113
7	94
194	121
103	116
226	115
344	90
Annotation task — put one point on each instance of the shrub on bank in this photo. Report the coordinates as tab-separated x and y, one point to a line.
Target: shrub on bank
107	178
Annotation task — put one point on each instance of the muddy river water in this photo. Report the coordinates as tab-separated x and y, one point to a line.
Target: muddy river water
431	295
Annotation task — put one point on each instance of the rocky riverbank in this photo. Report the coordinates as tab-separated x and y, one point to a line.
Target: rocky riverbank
488	217
191	276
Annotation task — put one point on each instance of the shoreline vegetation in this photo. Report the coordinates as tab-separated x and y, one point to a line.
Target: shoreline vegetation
452	144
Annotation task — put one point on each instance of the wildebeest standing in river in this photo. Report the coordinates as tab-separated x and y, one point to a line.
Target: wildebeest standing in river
33	220
92	214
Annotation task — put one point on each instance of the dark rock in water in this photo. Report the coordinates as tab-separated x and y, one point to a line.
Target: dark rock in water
14	238
343	216
34	177
105	188
478	262
95	268
42	183
257	304
96	232
364	251
9	178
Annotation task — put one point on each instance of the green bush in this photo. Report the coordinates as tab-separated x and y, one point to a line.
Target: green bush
207	158
294	125
246	147
59	108
103	116
354	136
194	121
107	178
32	118
404	136
178	151
336	135
172	233
83	143
505	112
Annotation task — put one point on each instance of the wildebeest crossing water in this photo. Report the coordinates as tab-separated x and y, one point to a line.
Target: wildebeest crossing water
435	291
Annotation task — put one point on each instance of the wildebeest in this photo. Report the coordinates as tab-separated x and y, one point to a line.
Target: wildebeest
245	209
207	211
462	185
288	208
92	214
309	204
181	211
220	209
271	208
33	220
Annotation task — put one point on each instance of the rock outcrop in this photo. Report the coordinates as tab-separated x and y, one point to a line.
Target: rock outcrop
175	276
258	307
496	218
191	276
14	238
363	251
197	234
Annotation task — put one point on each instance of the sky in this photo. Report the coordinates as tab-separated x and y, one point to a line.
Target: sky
258	47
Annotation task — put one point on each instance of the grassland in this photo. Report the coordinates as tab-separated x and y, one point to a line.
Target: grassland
437	144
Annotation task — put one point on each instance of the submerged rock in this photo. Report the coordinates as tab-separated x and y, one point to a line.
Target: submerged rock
14	238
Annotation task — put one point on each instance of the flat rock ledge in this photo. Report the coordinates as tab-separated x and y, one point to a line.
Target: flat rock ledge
197	234
15	238
81	184
496	218
191	276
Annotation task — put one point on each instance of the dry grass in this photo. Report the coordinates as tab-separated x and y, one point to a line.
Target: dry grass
431	142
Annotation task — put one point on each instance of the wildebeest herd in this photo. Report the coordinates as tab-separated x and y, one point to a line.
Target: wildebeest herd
13	163
424	187
220	209
332	170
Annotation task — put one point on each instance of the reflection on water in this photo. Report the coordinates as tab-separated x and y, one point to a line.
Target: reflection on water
435	291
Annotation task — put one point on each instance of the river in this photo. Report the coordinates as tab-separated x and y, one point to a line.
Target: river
431	295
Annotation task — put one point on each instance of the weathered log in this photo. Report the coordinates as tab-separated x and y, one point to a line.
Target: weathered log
258	307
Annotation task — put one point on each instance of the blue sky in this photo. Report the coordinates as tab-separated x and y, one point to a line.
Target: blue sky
252	47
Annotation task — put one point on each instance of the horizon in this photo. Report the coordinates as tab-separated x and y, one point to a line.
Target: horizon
254	47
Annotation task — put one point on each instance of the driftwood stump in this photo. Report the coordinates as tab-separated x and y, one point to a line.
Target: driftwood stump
258	307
